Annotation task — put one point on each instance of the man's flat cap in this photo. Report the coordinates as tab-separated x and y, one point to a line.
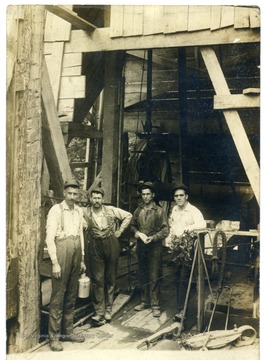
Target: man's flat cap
71	183
146	185
180	186
97	190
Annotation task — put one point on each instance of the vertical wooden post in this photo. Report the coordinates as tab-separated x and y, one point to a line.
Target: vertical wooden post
183	133
200	285
111	116
148	123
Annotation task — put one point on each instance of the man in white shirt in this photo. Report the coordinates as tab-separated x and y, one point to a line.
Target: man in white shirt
184	218
65	243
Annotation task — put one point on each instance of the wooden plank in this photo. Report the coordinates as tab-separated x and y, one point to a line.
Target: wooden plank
133	20
99	40
111	126
241	17
254	18
54	65
233	121
128	20
182	18
216	13
235	101
153	15
72	64
251	91
175	19
138	20
53	144
57	29
72	87
199	17
84	131
170	17
70	16
116	23
65	109
228	16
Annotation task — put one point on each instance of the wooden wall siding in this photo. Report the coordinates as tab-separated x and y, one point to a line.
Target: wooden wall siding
64	69
57	29
148	20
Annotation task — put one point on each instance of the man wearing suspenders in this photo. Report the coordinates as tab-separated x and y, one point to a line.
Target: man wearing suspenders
65	243
103	251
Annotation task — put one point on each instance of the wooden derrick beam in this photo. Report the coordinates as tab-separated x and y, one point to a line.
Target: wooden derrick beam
71	17
83	131
53	142
99	40
233	120
235	101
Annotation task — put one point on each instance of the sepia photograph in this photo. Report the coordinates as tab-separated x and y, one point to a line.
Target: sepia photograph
133	151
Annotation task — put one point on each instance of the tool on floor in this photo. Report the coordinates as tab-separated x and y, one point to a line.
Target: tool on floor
242	336
151	340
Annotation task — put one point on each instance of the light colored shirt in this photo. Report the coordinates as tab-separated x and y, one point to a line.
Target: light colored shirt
190	218
73	226
106	221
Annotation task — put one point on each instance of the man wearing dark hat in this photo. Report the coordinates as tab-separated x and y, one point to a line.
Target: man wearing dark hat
103	251
65	243
150	227
183	220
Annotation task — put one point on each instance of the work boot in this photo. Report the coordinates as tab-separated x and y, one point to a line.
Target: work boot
141	306
78	338
98	320
179	316
108	316
156	312
55	345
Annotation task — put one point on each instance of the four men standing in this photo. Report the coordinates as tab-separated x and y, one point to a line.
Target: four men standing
104	225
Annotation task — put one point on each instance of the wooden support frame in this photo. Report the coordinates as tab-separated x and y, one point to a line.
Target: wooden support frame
70	16
53	141
235	101
99	40
111	124
233	120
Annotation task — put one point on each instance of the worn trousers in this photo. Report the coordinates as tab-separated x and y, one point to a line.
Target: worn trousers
103	263
150	270
64	290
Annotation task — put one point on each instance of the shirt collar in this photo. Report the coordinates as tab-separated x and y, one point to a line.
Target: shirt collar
185	209
65	206
154	206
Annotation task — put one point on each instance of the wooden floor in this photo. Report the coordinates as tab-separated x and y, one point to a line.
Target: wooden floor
128	328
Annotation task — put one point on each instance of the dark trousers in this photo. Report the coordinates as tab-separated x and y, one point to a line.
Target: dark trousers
103	263
182	279
64	290
150	270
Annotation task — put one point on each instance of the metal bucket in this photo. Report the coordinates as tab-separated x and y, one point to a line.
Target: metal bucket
84	286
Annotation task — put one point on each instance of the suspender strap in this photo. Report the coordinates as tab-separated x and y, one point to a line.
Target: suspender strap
62	217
